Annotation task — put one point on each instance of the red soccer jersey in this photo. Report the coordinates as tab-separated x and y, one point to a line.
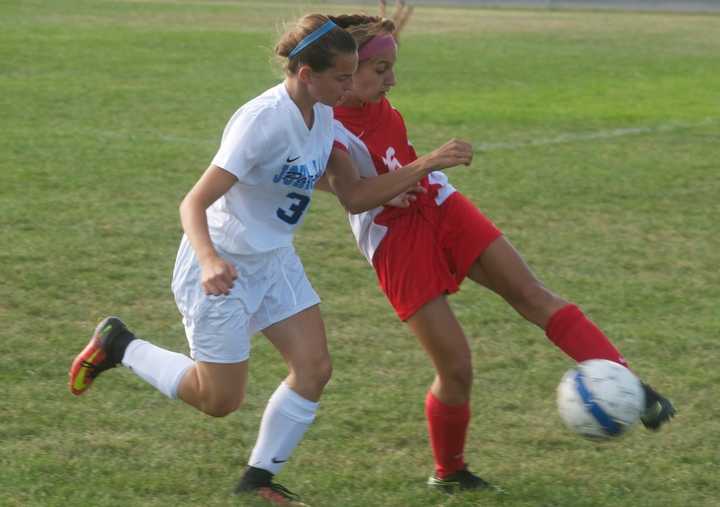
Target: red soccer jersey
382	129
376	138
429	246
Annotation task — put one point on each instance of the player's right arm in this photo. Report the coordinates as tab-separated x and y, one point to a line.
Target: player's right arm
217	273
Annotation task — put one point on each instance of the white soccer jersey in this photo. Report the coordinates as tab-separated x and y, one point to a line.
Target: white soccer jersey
277	161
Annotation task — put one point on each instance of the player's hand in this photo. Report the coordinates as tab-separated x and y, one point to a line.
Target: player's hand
406	198
218	276
400	16
453	153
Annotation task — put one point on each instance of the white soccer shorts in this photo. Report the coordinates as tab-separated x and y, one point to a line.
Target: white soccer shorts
270	287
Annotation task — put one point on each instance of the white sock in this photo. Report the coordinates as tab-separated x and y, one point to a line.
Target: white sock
287	416
161	368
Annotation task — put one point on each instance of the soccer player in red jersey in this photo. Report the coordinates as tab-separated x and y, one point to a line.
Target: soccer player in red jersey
423	245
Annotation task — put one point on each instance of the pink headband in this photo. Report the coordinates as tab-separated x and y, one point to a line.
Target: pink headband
376	45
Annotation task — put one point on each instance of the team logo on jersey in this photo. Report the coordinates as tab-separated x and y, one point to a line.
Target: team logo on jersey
390	161
299	176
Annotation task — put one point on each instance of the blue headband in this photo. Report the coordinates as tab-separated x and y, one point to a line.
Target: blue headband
325	28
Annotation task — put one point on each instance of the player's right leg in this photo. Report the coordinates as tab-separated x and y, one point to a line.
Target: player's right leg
502	269
447	405
658	409
217	389
214	388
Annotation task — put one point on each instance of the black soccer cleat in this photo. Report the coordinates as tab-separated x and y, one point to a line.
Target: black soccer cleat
105	350
462	480
258	483
658	409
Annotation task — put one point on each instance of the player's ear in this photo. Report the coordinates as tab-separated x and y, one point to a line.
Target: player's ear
304	74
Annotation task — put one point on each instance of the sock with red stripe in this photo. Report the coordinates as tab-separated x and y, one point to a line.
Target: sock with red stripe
447	425
579	337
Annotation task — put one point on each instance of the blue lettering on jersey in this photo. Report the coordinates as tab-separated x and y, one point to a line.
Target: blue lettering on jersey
298	176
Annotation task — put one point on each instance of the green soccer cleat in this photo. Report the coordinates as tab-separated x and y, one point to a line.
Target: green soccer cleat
104	351
658	409
462	480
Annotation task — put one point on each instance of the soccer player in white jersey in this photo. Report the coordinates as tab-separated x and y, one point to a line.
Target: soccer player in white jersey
236	271
424	249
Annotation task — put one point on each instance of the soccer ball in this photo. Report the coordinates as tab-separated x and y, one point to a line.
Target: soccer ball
600	399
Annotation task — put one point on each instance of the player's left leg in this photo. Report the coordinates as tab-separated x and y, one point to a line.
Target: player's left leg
501	268
302	342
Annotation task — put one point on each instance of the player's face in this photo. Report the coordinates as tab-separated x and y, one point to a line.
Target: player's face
375	77
331	85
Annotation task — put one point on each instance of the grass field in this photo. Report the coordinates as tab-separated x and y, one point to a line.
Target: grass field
600	159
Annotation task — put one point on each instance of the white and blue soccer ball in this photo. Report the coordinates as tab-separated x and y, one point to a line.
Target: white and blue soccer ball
600	399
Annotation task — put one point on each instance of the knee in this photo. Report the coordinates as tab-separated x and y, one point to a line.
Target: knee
223	406
322	372
316	374
457	376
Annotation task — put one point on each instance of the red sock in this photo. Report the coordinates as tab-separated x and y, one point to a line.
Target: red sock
447	425
579	337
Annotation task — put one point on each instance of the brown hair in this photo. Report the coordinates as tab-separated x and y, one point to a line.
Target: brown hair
320	55
363	28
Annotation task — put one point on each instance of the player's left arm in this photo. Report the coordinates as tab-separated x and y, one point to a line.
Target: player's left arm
403	200
358	194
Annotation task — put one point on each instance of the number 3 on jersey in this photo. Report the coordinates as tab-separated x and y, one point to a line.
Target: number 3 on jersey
295	211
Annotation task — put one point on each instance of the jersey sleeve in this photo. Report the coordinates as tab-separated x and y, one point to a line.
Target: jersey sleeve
245	144
342	140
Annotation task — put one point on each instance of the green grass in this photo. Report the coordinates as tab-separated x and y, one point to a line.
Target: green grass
110	111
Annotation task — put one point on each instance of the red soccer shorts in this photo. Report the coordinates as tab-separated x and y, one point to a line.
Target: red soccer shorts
429	252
